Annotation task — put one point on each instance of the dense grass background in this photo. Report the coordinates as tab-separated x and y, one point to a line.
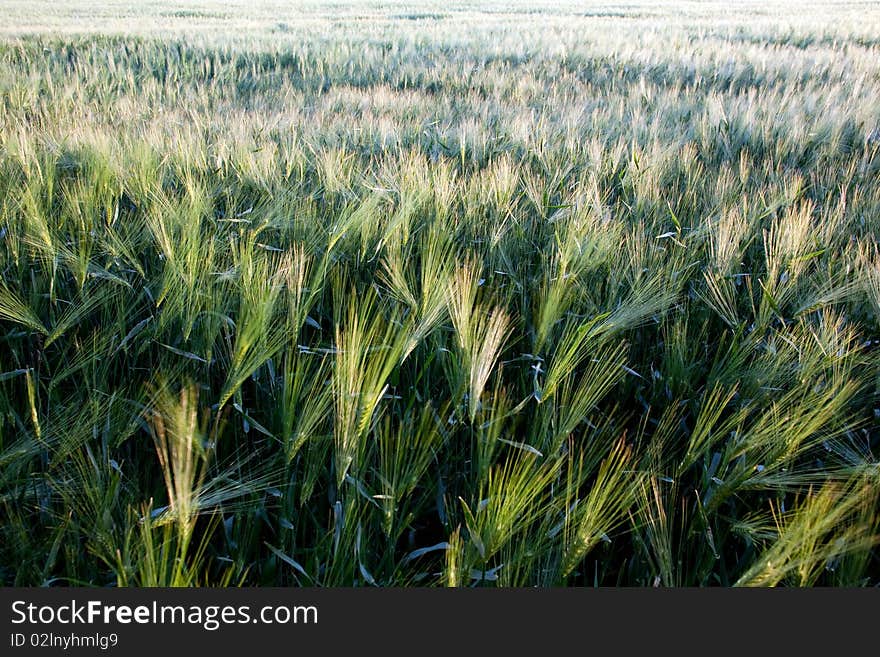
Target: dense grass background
419	295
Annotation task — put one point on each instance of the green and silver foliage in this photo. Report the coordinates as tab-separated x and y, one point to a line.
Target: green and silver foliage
439	295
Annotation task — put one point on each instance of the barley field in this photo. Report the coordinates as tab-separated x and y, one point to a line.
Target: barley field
368	293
